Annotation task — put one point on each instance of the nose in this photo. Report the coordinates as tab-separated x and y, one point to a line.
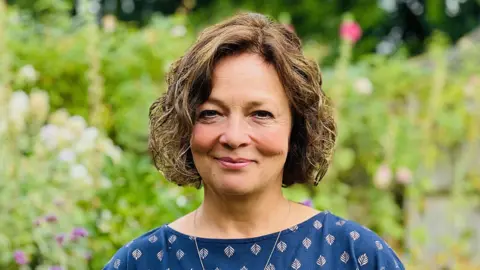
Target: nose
235	134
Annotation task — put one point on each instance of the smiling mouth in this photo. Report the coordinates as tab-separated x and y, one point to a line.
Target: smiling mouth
233	164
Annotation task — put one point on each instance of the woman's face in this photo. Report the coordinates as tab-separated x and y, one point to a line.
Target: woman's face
241	134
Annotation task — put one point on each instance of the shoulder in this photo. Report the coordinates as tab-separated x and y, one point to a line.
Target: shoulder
126	257
358	243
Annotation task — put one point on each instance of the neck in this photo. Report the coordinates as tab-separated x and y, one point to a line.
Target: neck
222	216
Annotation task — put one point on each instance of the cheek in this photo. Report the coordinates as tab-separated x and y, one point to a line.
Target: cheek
203	139
273	142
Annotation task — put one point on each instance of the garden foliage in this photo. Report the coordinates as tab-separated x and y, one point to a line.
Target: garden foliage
74	189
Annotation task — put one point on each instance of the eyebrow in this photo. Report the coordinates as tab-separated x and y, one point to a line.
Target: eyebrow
220	103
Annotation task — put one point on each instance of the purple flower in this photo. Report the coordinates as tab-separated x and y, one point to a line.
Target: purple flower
55	267
60	238
51	218
37	222
20	257
308	203
78	232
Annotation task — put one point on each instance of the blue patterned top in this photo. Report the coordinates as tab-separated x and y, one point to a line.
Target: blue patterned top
324	241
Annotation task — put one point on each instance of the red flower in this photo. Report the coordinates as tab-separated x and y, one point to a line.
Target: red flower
351	31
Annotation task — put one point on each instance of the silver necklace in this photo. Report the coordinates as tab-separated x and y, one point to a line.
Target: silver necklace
271	252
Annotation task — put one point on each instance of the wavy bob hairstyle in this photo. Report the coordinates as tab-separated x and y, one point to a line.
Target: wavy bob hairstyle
189	81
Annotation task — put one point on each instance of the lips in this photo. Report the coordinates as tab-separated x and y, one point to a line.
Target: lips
234	163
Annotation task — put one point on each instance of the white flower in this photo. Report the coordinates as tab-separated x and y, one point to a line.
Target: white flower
78	172
65	135
39	104
113	151
105	182
19	104
28	73
383	177
18	109
76	124
363	86
181	201
59	117
67	155
179	31
48	135
87	139
90	133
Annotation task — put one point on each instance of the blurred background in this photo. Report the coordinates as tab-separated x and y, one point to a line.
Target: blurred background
77	79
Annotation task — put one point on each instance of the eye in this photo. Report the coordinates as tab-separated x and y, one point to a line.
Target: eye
263	114
206	114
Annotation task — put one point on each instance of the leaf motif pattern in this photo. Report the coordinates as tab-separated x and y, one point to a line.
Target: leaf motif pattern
229	251
334	243
255	249
355	235
137	254
296	264
344	257
321	261
330	239
363	259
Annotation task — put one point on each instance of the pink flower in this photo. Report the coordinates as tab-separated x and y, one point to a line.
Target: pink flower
404	176
51	218
60	238
20	257
350	31
290	27
78	233
383	177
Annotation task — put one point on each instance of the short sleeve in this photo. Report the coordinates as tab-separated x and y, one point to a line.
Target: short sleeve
374	253
359	247
119	260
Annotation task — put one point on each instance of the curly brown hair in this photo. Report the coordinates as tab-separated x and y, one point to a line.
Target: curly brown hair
189	80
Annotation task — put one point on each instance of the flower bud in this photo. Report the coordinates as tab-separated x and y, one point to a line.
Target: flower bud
404	176
383	177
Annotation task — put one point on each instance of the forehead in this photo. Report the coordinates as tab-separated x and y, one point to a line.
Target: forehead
247	77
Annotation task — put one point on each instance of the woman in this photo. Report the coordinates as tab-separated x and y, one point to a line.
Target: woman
244	115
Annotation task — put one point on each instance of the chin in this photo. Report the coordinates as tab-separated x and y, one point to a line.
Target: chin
234	184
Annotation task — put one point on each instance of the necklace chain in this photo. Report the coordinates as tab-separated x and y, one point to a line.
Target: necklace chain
271	252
